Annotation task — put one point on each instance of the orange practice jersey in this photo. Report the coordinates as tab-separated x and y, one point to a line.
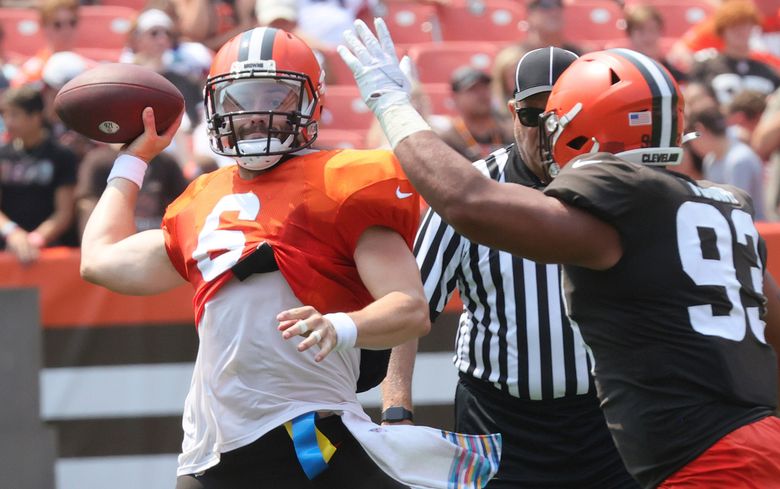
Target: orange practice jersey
311	209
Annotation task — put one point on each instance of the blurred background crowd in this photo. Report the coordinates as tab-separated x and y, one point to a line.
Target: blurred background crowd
725	54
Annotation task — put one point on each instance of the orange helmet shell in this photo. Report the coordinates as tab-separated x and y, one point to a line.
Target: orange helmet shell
615	101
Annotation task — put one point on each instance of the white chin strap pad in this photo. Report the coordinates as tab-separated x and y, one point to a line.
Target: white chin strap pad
255	146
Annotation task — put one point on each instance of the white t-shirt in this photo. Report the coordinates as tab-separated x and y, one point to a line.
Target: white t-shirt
247	380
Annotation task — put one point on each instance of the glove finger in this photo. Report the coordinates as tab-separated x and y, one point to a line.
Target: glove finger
358	49
385	41
349	59
368	39
408	68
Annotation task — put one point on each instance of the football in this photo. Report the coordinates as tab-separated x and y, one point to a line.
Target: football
106	102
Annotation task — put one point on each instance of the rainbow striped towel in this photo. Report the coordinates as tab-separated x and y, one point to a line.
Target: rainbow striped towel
423	457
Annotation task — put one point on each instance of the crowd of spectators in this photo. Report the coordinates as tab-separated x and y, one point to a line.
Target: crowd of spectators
727	62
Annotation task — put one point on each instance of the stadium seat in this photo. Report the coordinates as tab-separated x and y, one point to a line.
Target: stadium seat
440	97
136	5
341	138
678	15
489	20
408	22
104	26
100	54
436	61
592	21
23	35
336	72
344	109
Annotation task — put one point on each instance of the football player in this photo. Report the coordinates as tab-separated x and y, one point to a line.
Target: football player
288	243
664	275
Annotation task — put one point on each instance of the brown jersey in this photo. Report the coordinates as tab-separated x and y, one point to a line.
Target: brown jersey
675	326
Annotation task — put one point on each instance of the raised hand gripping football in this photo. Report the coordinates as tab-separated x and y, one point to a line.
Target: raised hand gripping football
382	80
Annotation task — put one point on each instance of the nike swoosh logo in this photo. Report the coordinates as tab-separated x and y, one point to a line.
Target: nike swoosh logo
402	195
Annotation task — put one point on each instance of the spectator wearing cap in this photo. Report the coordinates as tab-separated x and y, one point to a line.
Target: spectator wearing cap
477	129
59	69
733	70
37	178
152	44
523	370
725	159
546	26
644	28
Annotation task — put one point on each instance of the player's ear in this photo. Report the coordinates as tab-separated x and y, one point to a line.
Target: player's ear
510	106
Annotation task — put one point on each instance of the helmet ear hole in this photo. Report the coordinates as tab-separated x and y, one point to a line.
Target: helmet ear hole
577	143
614	77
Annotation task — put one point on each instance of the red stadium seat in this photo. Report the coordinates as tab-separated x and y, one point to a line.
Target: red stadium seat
408	22
440	97
341	138
435	62
100	54
344	109
336	72
678	15
136	5
23	35
104	26
491	20
593	20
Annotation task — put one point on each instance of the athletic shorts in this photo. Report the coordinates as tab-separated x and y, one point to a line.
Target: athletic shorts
271	463
746	458
557	444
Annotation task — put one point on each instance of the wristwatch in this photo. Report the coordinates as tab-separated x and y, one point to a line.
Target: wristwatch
396	414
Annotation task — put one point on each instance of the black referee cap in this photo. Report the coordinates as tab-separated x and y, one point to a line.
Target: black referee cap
538	70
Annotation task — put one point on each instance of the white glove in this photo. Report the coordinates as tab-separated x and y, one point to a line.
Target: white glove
384	83
375	66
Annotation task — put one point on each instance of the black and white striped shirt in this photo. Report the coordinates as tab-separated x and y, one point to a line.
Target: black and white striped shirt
513	331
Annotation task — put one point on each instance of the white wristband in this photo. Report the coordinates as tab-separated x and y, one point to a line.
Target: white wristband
8	228
128	167
346	330
400	121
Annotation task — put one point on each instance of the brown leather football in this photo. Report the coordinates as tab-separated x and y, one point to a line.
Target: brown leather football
106	102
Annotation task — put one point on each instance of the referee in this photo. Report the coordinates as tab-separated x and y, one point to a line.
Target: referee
523	370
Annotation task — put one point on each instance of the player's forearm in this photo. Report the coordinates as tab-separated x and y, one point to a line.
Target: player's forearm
391	320
397	386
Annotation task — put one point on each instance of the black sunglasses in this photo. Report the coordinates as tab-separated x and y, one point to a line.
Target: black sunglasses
529	116
59	24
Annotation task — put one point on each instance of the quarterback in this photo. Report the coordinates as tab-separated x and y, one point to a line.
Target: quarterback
301	265
663	275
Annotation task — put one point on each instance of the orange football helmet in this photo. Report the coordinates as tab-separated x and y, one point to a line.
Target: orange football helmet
263	97
617	101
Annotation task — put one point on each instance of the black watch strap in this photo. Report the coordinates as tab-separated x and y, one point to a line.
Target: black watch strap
395	414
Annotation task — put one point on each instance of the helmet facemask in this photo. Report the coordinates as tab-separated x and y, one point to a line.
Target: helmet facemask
550	129
259	116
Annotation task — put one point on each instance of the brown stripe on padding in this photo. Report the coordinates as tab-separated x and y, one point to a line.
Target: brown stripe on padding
112	437
119	345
